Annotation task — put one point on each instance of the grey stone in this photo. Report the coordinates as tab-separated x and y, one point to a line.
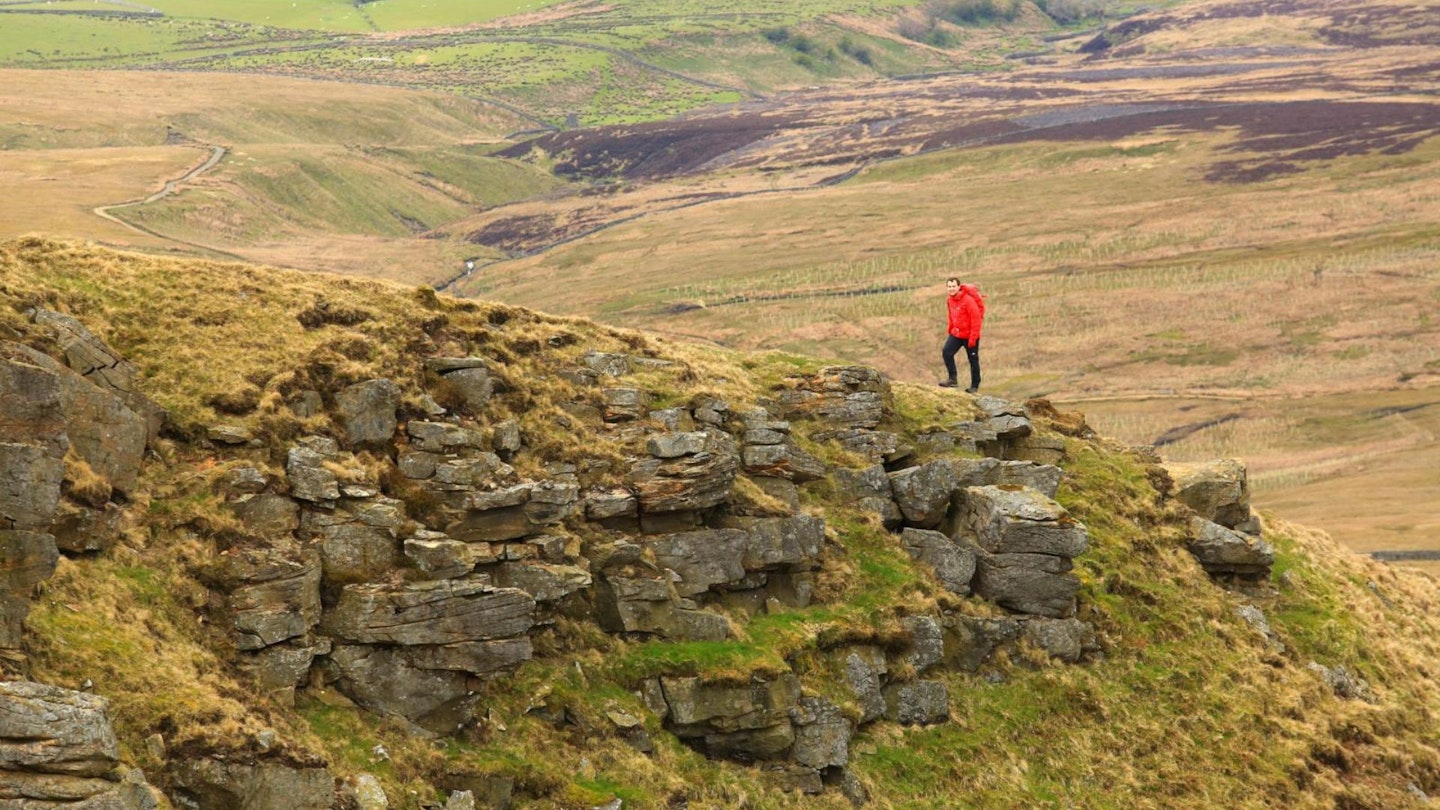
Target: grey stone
615	365
266	515
442	612
623	404
30	487
1218	491
971	640
788	543
26	560
864	667
444	558
853	396
278	669
917	703
675	420
229	434
697	707
355	552
689	482
546	582
612	503
651	605
952	562
924	493
443	437
702	559
418	465
1063	639
78	530
822	734
505	438
1026	590
475	386
478	657
46	729
367	793
711	410
785	460
1013	520
263	785
367	412
99	365
1221	551
30	411
309	479
460	800
674	445
385	680
927	644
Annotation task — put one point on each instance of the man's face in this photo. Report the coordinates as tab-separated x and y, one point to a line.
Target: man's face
952	287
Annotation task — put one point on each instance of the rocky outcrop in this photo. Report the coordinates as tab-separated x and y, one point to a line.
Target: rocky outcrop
57	750
1027	543
953	563
258	785
1225	552
1218	491
689	481
366	411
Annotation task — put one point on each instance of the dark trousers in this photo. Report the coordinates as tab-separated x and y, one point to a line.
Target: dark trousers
952	346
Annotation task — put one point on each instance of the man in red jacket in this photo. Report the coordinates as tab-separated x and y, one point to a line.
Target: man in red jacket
967	312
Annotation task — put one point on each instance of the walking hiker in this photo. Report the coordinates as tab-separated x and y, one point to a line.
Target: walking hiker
966	309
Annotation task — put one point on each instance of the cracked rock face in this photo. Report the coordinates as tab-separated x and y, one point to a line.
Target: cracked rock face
57	750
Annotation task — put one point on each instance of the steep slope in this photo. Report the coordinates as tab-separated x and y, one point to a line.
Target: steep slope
329	537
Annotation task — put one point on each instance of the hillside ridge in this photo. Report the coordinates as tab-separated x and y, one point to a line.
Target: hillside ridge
306	541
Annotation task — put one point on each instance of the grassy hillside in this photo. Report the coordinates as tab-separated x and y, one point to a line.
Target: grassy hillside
1187	704
1203	225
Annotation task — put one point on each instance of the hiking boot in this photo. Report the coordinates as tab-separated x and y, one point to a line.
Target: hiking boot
972	389
947	383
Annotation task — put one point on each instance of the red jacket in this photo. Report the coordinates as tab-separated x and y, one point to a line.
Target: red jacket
967	312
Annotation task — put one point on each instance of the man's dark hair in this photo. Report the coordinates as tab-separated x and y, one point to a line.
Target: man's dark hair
952	278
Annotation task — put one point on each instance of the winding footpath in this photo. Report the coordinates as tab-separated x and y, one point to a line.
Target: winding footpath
217	154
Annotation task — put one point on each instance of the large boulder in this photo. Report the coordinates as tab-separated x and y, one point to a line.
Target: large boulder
701	559
917	703
748	722
822	734
1015	520
650	605
924	493
690	481
52	730
869	490
103	367
440	612
1217	490
952	562
1223	551
270	595
1026	543
57	750
853	396
367	412
215	784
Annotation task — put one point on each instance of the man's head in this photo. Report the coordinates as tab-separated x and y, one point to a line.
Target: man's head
952	286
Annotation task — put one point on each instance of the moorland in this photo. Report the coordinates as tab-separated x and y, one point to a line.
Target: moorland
1209	225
